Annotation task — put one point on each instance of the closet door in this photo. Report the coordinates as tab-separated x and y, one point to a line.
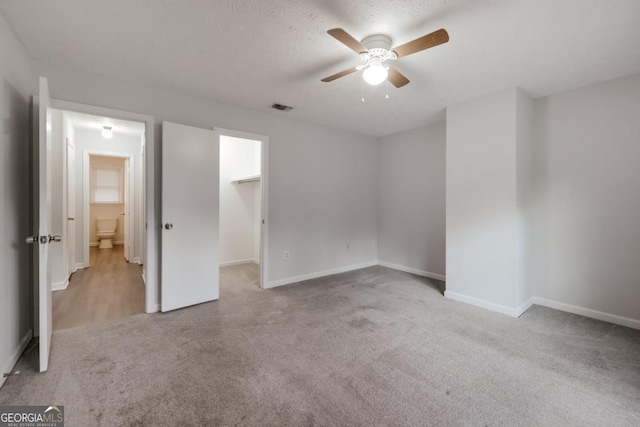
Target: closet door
190	192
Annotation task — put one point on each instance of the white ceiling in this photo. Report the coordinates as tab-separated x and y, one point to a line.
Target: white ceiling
252	53
88	121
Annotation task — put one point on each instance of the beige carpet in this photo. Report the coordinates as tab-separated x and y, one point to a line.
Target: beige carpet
371	347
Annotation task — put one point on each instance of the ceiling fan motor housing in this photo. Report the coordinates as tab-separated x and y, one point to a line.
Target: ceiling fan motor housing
379	45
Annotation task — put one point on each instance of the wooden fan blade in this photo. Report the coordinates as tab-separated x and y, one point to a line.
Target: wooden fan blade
346	39
422	43
397	78
340	74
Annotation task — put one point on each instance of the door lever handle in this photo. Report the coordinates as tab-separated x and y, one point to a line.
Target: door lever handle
55	238
70	219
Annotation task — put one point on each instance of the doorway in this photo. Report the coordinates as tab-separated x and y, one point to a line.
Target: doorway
243	210
101	180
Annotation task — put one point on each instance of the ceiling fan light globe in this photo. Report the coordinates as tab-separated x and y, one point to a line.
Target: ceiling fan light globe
375	74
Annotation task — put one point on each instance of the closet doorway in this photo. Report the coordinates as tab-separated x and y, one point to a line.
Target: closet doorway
243	191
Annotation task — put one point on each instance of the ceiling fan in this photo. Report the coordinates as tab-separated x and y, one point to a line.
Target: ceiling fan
375	50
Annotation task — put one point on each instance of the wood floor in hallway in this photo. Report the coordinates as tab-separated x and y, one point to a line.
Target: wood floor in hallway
110	288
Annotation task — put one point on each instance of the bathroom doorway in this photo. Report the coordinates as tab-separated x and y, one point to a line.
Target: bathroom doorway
110	204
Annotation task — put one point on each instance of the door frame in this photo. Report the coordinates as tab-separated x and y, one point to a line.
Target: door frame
264	185
86	197
151	228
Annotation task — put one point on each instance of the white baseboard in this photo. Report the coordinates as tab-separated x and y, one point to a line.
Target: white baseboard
524	307
60	286
237	262
415	271
136	260
144	277
513	312
78	266
153	308
303	277
11	362
587	312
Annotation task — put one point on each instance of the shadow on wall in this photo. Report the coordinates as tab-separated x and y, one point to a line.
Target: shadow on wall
16	201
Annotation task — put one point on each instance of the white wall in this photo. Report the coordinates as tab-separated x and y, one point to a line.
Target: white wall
587	199
485	225
122	144
411	200
15	285
239	206
524	189
322	183
106	210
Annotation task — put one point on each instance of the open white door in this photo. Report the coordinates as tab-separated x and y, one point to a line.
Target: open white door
71	207
42	219
125	215
190	164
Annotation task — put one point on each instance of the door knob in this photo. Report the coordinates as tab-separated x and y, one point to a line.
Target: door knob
55	238
168	226
36	239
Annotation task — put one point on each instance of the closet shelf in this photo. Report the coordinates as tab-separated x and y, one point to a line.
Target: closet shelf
253	178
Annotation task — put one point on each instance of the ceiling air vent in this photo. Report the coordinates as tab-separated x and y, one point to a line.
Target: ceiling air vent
281	107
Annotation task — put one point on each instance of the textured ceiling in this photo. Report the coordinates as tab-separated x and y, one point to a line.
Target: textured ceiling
252	53
88	121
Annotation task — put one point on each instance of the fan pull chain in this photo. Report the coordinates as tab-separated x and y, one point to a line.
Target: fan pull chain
386	88
362	99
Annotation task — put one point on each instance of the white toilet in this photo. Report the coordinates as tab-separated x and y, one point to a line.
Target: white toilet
106	231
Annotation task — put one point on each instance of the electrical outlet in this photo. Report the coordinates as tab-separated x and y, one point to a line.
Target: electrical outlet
286	254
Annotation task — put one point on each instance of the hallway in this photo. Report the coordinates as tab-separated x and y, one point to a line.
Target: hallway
109	289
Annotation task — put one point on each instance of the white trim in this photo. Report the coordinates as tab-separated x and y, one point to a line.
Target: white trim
153	308
136	260
238	262
587	312
513	312
317	274
411	270
78	266
9	364
264	187
60	286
